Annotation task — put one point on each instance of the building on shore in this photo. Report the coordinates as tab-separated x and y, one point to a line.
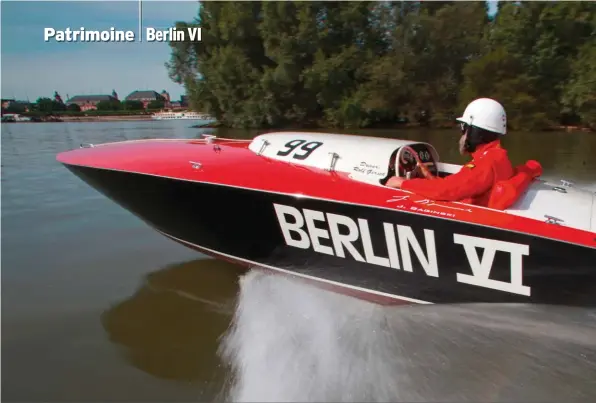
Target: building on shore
89	102
6	102
184	101
9	104
148	96
179	105
166	97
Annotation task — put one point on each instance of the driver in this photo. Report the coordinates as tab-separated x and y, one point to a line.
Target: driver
483	123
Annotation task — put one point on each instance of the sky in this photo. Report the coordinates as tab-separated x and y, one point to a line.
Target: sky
32	68
492	7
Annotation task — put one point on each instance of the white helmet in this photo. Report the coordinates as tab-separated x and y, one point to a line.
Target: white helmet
485	113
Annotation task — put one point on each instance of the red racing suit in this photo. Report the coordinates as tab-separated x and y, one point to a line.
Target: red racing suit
473	183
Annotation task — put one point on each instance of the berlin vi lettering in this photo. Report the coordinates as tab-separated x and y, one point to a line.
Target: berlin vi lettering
304	228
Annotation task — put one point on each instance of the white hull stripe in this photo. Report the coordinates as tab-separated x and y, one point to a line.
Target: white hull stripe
365	290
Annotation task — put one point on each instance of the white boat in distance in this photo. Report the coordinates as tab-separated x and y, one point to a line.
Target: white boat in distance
181	116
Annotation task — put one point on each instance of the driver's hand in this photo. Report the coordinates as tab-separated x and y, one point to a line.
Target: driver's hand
417	172
395	182
420	167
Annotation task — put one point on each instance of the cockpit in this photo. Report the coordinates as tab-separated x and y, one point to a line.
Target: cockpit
370	160
403	162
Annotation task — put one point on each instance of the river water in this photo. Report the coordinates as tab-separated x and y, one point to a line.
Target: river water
98	307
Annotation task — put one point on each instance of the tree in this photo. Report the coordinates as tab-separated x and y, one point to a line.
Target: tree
580	90
110	105
357	64
49	105
132	105
527	63
156	104
16	107
73	108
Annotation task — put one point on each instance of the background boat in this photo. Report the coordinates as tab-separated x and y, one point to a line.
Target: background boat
184	115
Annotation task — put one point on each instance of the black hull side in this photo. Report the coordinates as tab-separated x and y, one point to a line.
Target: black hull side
243	224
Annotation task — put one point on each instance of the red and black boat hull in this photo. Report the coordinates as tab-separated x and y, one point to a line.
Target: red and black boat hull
386	253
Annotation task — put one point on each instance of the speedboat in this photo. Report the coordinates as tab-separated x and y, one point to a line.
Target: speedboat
315	205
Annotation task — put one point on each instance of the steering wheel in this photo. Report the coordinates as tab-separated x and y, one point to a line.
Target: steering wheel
406	163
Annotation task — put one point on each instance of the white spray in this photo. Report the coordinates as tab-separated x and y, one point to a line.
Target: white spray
294	342
290	341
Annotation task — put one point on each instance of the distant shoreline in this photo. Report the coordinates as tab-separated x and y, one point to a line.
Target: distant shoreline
136	118
70	119
400	126
108	118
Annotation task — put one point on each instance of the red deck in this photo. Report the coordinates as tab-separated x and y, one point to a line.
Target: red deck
231	163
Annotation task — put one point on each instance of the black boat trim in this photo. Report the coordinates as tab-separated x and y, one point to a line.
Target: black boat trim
293	273
303	196
455	262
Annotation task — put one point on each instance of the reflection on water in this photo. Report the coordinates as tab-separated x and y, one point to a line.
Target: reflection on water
293	342
169	328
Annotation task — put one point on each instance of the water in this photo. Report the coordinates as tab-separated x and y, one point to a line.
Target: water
98	307
290	342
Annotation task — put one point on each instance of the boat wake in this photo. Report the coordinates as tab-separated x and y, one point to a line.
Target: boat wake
289	341
292	342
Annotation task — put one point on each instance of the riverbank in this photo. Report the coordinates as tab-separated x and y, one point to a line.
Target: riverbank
109	118
62	119
217	124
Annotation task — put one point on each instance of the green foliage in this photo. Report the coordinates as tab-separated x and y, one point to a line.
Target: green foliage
111	105
15	107
73	108
157	104
532	55
359	64
48	105
580	89
132	105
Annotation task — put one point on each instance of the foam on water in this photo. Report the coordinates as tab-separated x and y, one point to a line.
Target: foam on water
293	342
289	341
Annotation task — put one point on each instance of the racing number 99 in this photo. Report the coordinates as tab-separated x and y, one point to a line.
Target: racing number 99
307	149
